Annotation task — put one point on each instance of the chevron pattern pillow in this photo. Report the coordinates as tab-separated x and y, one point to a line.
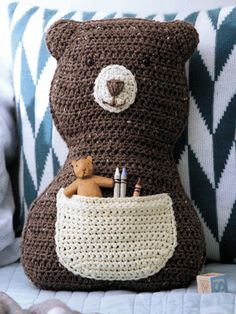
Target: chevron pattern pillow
205	152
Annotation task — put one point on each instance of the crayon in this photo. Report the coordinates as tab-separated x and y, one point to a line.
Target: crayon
137	188
116	192
123	183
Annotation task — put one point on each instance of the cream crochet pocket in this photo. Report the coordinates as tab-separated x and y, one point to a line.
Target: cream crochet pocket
115	238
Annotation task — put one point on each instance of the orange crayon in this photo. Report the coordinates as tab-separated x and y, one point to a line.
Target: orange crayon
137	188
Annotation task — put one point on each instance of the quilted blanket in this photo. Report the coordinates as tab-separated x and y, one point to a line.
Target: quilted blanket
180	301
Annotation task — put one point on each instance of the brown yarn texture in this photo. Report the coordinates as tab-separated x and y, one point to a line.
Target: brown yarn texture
141	138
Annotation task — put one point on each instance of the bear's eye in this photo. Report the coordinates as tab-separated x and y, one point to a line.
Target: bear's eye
89	62
146	61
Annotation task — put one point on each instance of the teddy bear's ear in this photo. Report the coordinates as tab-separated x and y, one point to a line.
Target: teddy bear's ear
59	36
183	38
89	158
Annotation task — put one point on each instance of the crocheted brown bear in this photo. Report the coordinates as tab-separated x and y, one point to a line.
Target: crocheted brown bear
119	94
86	183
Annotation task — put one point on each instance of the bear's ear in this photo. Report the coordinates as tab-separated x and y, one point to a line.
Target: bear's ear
90	159
73	163
59	36
183	38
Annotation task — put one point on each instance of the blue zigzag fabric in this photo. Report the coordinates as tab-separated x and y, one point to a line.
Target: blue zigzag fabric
206	151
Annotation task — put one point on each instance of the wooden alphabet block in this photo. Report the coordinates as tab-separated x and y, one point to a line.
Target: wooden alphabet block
212	282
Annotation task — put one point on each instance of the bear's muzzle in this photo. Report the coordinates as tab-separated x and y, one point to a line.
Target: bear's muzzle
115	88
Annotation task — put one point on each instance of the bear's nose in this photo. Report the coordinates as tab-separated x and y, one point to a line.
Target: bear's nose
115	87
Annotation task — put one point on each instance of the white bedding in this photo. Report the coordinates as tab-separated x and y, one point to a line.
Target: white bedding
180	301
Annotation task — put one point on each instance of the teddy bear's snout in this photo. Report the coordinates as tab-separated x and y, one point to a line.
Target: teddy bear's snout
81	173
115	88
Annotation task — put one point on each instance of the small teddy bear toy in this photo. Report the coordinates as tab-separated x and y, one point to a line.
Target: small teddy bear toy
86	183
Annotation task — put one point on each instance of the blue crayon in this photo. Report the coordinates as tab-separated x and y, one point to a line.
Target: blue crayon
123	183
